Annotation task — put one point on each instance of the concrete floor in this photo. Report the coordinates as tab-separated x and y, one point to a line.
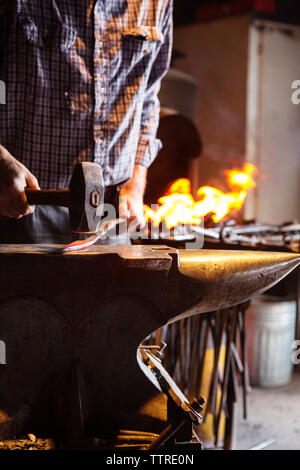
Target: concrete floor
272	414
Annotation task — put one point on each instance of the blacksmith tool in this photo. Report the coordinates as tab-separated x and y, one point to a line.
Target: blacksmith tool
104	227
188	412
84	198
263	445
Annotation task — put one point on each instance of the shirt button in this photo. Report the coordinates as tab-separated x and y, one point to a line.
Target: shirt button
99	43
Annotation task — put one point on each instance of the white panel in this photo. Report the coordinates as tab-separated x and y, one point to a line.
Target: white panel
273	121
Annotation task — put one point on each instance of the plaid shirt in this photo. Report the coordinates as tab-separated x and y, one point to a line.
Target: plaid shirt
82	78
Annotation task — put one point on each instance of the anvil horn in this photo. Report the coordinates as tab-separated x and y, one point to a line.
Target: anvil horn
207	280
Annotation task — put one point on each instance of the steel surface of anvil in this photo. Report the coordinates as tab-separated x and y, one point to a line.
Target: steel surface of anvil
72	324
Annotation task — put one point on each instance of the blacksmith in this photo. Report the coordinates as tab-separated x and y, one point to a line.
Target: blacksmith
81	82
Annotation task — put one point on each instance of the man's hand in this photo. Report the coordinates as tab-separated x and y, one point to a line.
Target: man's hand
131	195
14	178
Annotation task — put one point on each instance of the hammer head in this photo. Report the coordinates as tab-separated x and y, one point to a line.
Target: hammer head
86	197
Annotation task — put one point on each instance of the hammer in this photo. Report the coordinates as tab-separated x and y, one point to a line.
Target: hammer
84	198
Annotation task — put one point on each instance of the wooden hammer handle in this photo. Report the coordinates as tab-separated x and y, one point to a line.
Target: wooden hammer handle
42	197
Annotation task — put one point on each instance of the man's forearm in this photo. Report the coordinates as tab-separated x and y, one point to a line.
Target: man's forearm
139	179
132	193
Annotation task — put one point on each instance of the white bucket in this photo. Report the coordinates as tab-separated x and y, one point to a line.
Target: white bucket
270	323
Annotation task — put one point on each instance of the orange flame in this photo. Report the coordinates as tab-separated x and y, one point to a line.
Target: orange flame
178	206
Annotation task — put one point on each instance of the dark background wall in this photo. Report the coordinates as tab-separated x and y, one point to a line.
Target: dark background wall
215	55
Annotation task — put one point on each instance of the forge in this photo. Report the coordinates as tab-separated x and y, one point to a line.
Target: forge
73	323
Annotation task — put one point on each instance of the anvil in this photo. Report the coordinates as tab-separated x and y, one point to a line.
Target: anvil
72	324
